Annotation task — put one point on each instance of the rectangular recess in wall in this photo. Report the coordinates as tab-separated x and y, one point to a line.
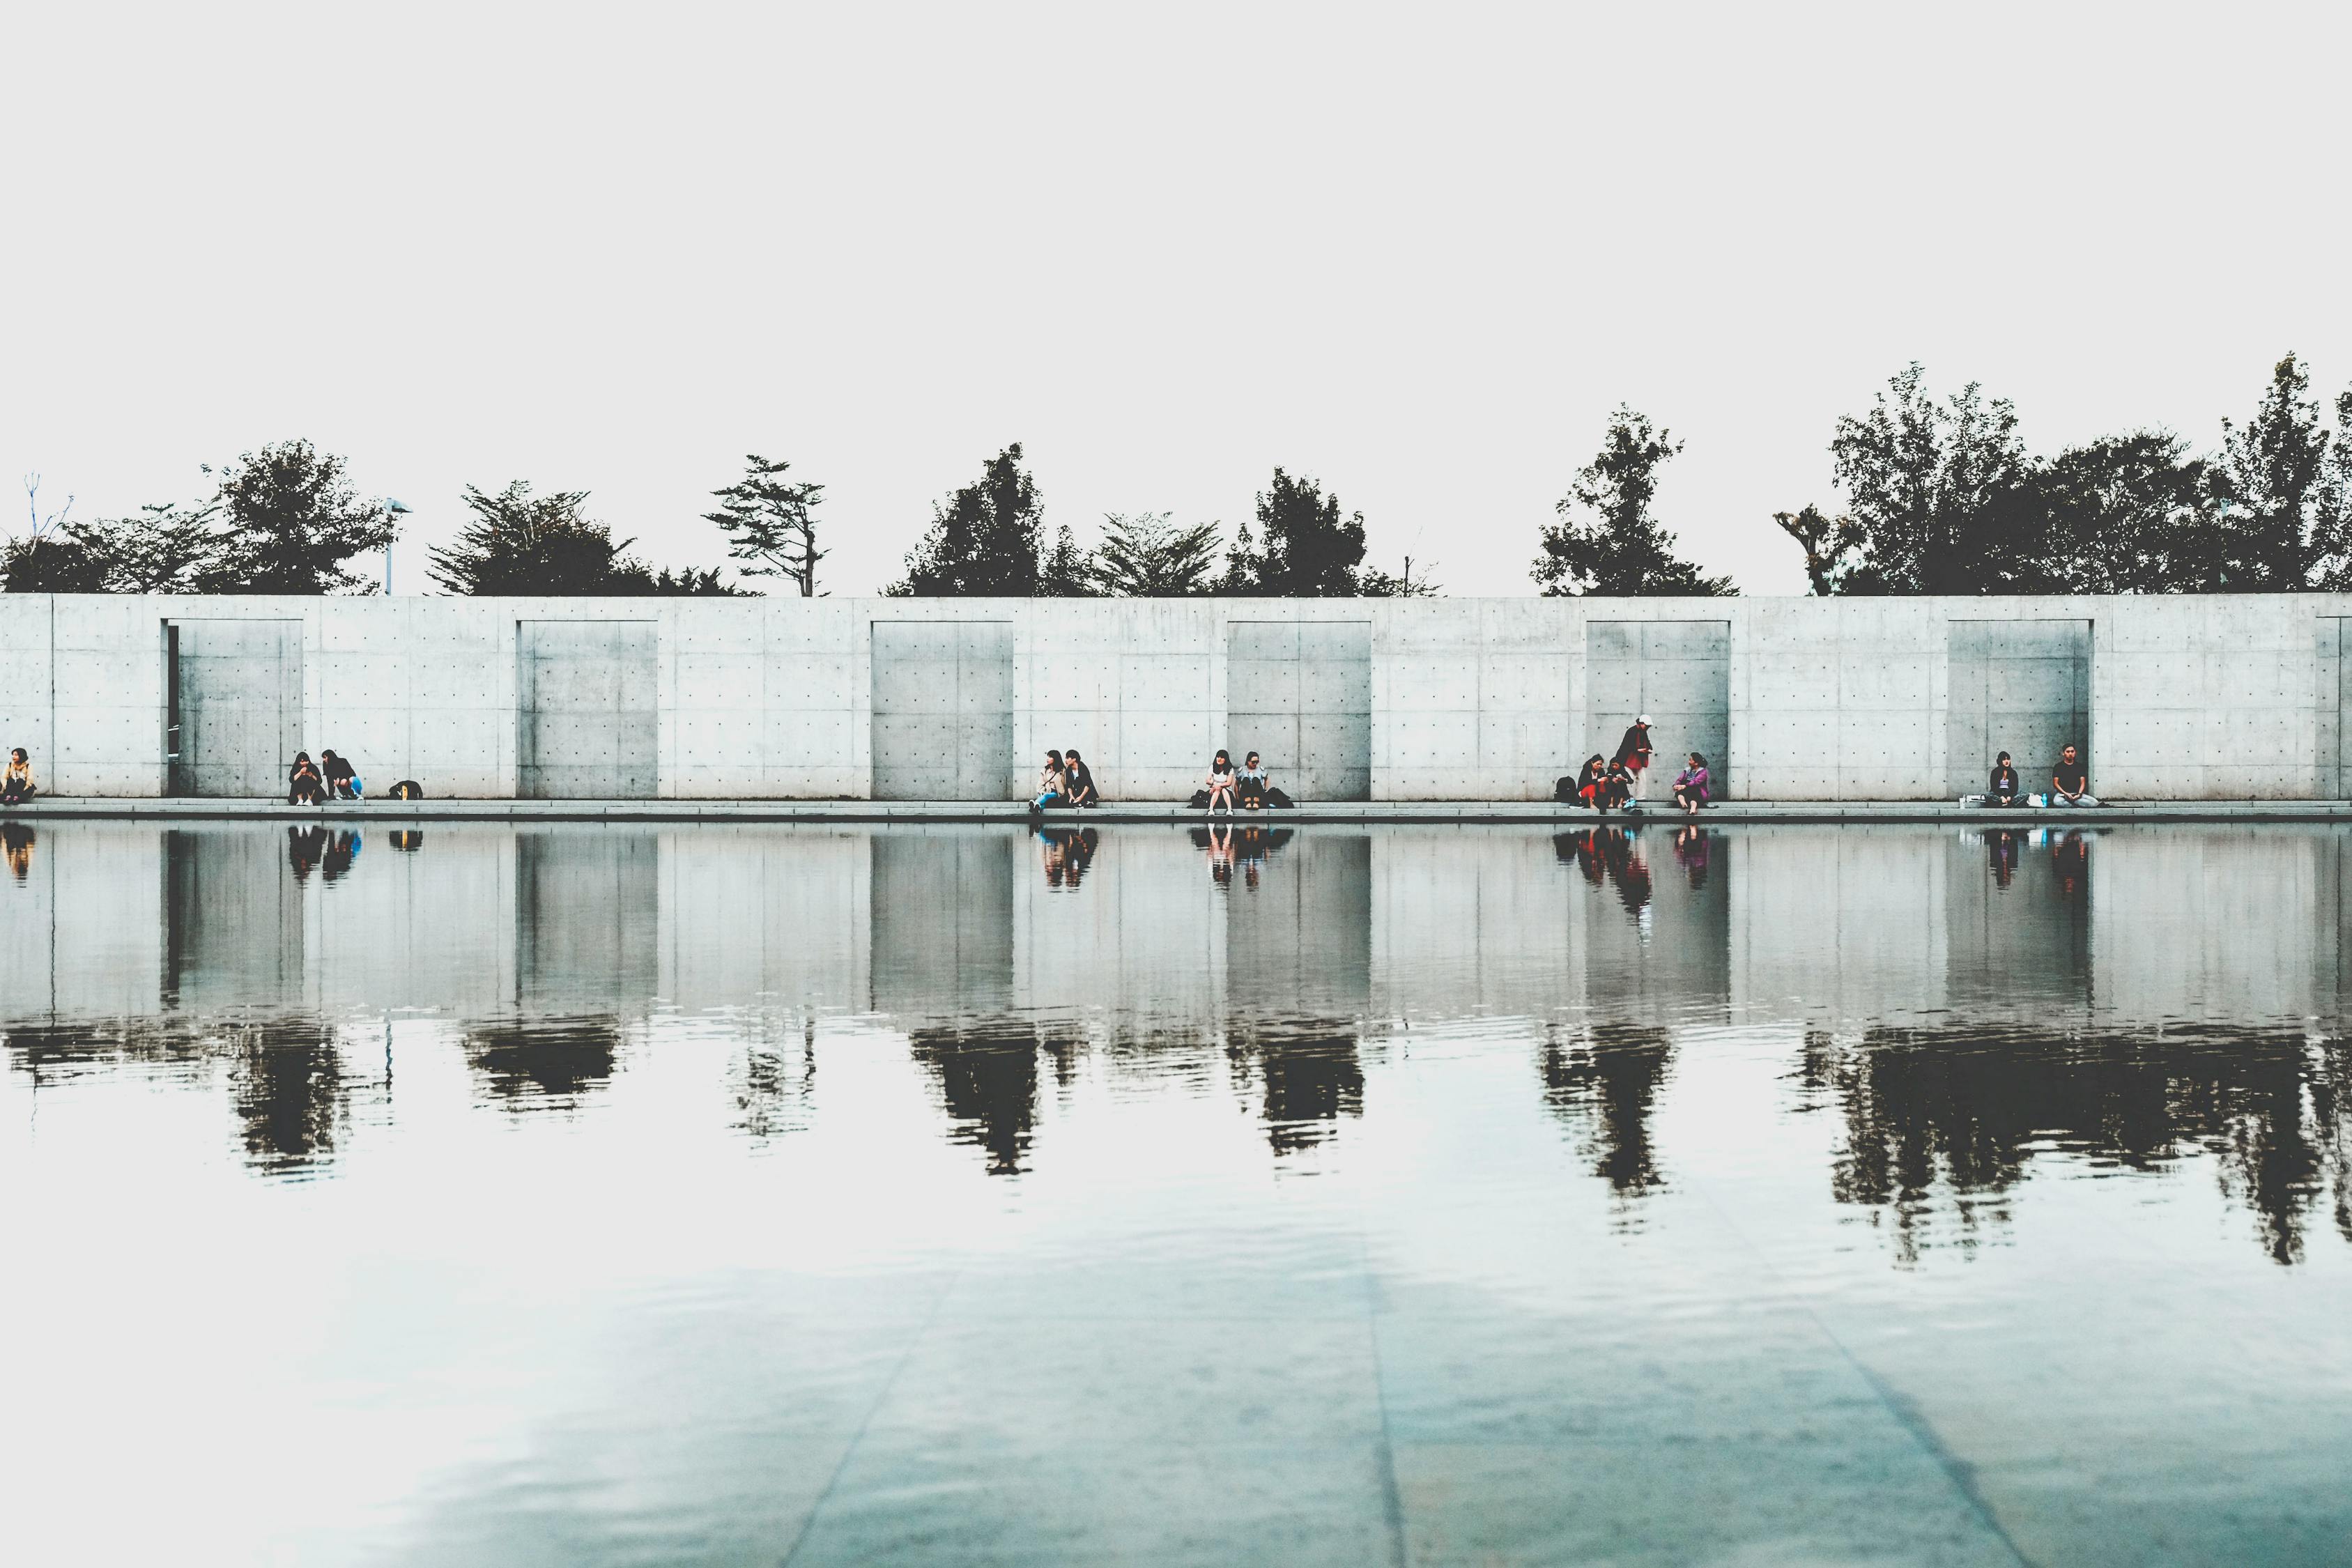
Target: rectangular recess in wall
588	712
2333	696
942	711
1299	694
237	697
1679	673
2017	685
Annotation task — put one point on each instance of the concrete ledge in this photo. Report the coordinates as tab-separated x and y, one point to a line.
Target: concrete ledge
819	811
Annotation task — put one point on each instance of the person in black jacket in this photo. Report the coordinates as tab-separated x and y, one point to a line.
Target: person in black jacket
2002	788
1633	754
1078	780
303	785
341	778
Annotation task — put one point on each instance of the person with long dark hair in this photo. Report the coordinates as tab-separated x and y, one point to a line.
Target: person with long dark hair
303	785
17	785
1220	786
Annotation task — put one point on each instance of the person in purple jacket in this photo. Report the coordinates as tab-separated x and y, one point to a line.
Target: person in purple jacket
1692	786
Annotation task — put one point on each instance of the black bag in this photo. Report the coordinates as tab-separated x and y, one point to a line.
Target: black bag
1200	801
1563	789
408	789
1276	798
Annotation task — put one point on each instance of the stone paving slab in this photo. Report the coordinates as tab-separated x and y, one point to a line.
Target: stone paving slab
948	811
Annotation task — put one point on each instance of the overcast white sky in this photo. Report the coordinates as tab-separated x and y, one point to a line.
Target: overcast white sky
1419	253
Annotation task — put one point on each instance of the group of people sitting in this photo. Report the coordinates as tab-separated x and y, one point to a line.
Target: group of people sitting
330	778
1067	781
1607	784
1247	787
2070	783
16	784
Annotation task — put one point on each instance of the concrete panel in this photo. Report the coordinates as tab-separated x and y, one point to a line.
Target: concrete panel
2329	695
1300	695
1679	673
2017	685
588	727
236	704
942	711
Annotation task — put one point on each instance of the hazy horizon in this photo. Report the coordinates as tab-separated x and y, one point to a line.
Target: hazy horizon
1418	256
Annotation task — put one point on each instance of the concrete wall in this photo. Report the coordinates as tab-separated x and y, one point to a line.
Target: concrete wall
1452	698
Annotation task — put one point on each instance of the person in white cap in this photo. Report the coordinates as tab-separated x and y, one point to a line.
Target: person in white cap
1634	751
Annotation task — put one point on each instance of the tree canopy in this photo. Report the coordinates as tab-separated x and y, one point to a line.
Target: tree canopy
520	543
983	538
292	524
1606	542
770	523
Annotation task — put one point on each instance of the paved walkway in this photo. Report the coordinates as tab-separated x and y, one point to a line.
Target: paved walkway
872	811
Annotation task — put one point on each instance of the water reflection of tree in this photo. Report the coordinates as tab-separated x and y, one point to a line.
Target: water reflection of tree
1604	1084
772	1084
987	1075
1307	1074
1953	1118
287	1082
543	1063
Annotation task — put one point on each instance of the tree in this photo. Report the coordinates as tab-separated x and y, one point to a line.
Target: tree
1145	556
2128	514
1833	546
1068	572
167	548
1606	542
294	523
1941	492
1308	550
51	563
520	543
2284	524
770	524
1375	583
982	539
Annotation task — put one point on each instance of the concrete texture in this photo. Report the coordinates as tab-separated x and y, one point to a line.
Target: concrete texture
589	726
1422	701
237	711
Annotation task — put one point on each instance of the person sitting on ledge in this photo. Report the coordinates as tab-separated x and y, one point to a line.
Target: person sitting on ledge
1590	780
1049	784
1078	780
1692	786
2002	788
2070	781
16	784
303	785
1617	787
1219	785
1250	783
343	780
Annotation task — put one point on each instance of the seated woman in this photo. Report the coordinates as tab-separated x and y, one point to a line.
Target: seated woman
1220	785
1078	781
16	784
1250	785
1616	786
1692	786
2002	788
1590	779
303	785
1050	785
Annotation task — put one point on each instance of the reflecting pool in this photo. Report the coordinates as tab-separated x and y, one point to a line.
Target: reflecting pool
476	1194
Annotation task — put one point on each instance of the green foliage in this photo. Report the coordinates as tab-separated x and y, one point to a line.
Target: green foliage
2126	514
52	562
1606	542
2285	522
770	524
982	539
1145	555
519	543
1068	571
1941	492
1832	546
1302	549
293	525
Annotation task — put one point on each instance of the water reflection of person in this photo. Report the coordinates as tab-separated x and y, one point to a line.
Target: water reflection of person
2070	857
1221	854
1614	856
1068	852
341	850
1693	846
17	840
305	846
2001	848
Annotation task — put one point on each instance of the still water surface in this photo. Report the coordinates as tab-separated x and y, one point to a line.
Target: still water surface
1762	1196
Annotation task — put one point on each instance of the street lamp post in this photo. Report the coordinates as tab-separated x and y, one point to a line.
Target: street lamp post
392	509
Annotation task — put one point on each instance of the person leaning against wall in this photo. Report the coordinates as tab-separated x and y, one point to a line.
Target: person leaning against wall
2070	781
17	785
